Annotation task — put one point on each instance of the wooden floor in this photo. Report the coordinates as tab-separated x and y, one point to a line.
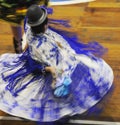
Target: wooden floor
100	21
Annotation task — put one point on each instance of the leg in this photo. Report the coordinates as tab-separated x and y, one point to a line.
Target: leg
17	38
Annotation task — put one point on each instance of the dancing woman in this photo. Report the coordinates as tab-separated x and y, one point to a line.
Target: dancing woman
55	77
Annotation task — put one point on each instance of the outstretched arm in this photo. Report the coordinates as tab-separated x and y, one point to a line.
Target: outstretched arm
55	73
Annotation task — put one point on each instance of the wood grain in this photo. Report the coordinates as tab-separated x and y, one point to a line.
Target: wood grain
100	21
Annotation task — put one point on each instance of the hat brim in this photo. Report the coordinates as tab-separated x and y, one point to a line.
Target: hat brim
40	21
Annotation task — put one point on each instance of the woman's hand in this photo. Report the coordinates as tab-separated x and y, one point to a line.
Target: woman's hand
52	70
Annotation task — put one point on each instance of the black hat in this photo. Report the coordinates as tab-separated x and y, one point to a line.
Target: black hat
36	15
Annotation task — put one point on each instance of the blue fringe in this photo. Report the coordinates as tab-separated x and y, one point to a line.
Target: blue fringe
79	47
64	23
30	66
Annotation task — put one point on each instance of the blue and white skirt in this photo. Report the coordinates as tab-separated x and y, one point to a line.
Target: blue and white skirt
27	94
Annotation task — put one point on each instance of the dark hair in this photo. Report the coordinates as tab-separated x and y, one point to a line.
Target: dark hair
40	28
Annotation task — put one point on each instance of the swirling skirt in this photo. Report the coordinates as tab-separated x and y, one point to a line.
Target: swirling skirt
28	94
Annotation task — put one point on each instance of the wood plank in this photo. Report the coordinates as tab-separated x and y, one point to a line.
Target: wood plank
81	16
113	5
101	34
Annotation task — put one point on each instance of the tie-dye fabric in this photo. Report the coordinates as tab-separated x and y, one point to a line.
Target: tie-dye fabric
26	92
